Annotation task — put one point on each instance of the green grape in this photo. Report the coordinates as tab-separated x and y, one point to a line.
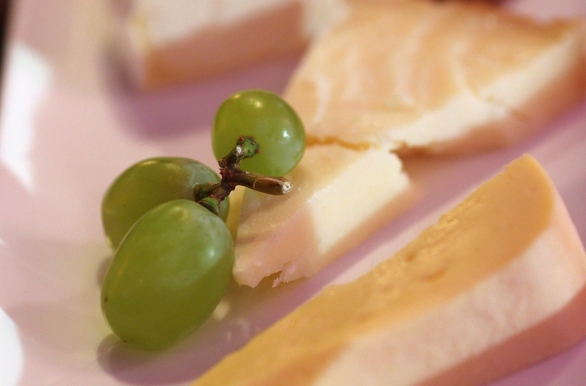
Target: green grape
267	118
168	275
147	184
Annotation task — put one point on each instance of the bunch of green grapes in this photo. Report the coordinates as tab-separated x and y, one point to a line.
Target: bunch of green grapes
173	252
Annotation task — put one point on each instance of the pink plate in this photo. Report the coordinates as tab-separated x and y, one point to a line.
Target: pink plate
68	126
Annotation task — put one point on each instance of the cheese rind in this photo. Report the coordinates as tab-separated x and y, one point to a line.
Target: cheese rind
340	197
498	283
437	78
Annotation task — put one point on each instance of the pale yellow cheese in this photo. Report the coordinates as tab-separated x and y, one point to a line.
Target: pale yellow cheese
176	41
445	77
497	284
234	210
340	197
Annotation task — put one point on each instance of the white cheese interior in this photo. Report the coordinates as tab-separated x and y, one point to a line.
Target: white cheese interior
355	195
340	197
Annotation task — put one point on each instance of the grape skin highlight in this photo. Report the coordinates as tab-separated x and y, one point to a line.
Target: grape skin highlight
147	184
271	121
168	275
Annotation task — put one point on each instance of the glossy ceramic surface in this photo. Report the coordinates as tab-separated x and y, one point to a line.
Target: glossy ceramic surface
69	125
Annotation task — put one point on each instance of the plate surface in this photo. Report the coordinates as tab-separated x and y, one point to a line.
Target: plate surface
68	126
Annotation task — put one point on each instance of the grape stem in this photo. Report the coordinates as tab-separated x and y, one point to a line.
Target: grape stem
211	195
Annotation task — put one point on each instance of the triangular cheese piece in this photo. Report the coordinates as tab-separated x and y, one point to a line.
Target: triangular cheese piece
497	284
437	77
340	197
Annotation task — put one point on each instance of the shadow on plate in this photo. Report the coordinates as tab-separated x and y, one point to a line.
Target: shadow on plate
175	110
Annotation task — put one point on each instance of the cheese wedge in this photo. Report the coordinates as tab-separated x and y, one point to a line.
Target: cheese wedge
497	284
432	77
340	197
174	41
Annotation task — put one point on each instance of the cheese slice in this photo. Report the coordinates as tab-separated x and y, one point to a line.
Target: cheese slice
175	41
433	77
497	284
340	197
